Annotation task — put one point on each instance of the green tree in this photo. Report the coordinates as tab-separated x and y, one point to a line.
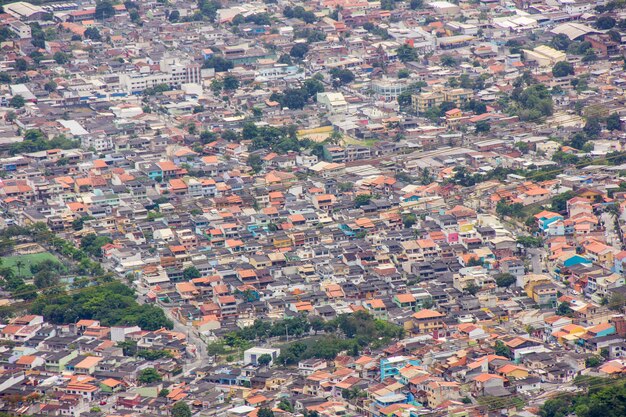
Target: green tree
617	302
174	16
578	140
264	359
613	122
559	202
562	69
405	99
341	76
19	265
45	278
92	244
406	53
416	4
181	409
220	64
299	50
17	101
285	59
293	99
592	127
362	200
255	162
529	241
209	8
50	86
523	147
501	349
605	22
129	347
313	86
482	126
564	310
231	83
104	9
265	412
593	361
191	272
21	64
505	280
93	34
403	73
148	376
285	406
448	61
560	42
408	220
472	288
533	103
60	58
217	86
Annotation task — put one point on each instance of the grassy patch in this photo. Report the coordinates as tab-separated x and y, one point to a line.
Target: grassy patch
27	260
347	140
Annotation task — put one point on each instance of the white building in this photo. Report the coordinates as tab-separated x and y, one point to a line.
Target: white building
334	102
278	72
171	72
389	89
252	355
21	29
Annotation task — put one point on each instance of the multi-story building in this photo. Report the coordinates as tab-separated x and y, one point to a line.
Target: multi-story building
425	100
389	89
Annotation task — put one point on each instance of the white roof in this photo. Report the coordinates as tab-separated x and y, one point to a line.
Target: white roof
572	30
75	128
441	4
22	9
242	410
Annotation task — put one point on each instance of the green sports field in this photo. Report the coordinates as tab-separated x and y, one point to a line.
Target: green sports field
27	260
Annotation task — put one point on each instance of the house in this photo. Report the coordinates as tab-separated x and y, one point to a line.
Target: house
252	355
426	322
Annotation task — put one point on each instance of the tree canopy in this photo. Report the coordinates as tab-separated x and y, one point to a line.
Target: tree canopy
562	69
104	9
533	103
148	376
181	409
604	398
220	64
111	303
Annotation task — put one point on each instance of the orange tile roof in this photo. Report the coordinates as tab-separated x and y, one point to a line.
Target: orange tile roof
405	298
427	314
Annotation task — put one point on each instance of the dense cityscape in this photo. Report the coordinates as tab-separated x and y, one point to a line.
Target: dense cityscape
394	208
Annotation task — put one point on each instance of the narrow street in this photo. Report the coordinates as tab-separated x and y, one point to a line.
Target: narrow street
611	233
201	356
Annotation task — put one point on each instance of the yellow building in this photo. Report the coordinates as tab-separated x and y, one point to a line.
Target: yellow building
425	100
541	289
425	322
281	241
512	371
544	56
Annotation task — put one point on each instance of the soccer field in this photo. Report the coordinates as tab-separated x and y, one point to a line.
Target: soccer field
27	260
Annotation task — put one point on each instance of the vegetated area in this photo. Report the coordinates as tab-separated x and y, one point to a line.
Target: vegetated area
602	398
112	303
24	264
349	332
94	294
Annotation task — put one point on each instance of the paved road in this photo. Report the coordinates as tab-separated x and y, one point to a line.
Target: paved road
535	258
609	225
201	356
